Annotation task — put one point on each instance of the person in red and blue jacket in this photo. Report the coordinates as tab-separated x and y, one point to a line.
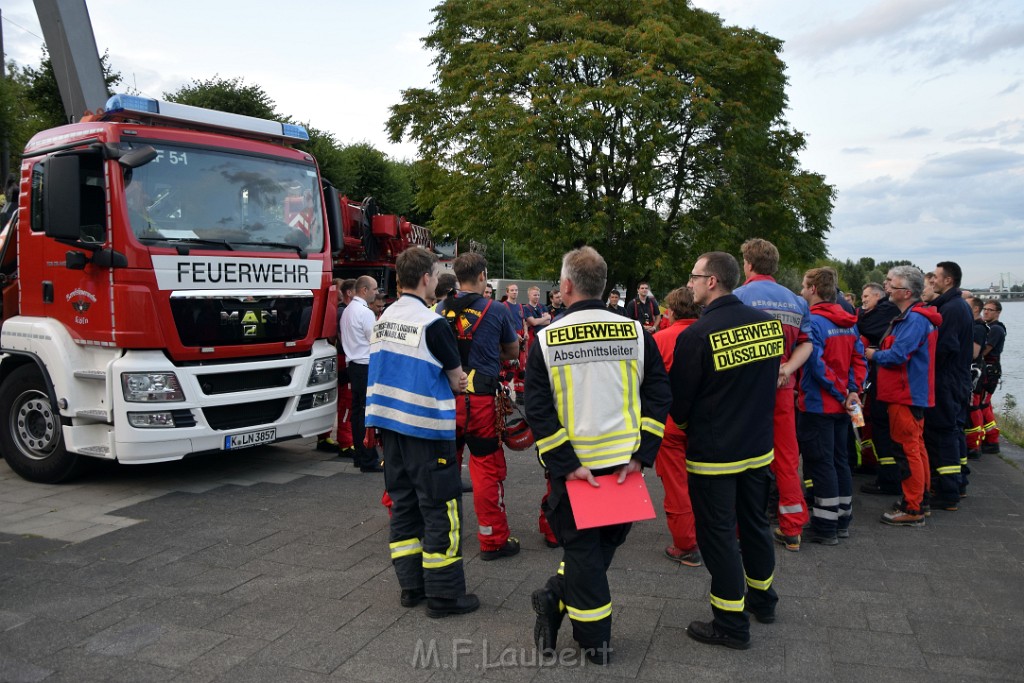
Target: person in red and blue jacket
761	291
906	382
829	384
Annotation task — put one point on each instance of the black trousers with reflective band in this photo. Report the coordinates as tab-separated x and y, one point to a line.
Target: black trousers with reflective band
586	555
721	505
422	479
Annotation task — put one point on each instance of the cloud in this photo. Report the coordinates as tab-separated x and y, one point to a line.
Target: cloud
966	206
917	132
1009	89
936	31
856	150
1003	133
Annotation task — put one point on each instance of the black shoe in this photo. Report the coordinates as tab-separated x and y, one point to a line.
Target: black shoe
705	632
549	619
510	548
346	452
879	489
990	448
551	544
764	616
438	608
327	445
412	597
974	454
598	656
948	506
823	539
842	533
375	467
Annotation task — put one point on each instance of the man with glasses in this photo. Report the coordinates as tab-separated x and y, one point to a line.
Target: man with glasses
724	391
906	376
993	371
760	262
944	422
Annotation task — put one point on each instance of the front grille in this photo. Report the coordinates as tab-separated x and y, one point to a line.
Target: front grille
233	382
183	418
244	415
229	321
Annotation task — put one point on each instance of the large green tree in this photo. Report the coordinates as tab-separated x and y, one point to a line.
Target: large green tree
646	129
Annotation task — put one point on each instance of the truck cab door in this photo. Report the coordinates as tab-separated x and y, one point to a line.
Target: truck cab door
67	245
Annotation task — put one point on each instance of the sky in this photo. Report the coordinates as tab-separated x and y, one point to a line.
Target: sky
913	109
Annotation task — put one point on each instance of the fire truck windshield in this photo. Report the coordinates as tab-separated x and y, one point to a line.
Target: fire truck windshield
217	197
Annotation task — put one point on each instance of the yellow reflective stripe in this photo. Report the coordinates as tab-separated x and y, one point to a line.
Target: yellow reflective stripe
974	430
565	375
727	605
712	468
554	441
649	424
561	569
990	425
948	469
630	390
411	546
808	483
438	560
596	614
596	463
603	437
867	443
454	530
963	461
760	585
887	461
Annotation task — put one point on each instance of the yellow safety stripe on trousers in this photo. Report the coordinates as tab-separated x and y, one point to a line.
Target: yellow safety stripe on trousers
454	527
808	483
727	605
867	443
887	461
760	585
712	468
410	546
649	424
451	553
989	426
963	461
596	614
551	442
948	469
974	430
561	569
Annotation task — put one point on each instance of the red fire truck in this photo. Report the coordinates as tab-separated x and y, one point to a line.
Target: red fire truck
166	290
371	241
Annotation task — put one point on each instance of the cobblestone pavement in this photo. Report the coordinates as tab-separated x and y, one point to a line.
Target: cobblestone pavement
272	565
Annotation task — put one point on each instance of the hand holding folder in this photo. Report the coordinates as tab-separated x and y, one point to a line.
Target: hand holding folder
611	502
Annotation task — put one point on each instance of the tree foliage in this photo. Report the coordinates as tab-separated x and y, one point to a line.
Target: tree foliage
645	129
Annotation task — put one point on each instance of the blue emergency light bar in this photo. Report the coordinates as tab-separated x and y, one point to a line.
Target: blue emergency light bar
131	106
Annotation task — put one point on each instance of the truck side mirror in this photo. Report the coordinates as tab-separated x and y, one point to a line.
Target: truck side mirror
333	208
62	198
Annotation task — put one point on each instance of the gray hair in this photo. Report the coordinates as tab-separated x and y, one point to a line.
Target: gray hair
913	279
587	270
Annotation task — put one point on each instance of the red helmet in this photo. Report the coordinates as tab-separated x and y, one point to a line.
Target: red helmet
518	435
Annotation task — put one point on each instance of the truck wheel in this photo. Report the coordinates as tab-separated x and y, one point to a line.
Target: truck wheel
30	431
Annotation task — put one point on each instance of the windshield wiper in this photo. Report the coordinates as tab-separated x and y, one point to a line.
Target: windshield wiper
284	245
230	246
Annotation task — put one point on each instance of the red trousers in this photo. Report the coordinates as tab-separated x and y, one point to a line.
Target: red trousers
344	432
475	427
983	422
907	434
792	507
670	466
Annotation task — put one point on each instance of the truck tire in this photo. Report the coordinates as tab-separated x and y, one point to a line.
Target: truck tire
30	434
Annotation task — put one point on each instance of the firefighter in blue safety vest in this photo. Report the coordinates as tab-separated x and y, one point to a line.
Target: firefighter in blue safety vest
724	399
415	371
596	399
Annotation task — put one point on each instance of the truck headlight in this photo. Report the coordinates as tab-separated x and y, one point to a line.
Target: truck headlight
145	387
324	370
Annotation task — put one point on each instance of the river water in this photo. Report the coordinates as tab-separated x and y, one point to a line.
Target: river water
1013	353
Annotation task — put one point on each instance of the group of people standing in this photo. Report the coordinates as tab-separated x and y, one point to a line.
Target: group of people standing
723	399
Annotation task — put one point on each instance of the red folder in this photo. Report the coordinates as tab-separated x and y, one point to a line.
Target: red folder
610	503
